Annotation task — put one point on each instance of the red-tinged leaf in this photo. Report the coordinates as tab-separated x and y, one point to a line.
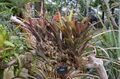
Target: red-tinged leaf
57	16
78	28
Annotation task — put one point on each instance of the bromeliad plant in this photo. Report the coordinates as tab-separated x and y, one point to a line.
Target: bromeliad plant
71	35
63	40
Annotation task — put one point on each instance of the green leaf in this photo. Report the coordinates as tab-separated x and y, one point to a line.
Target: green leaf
8	43
1	41
4	3
71	15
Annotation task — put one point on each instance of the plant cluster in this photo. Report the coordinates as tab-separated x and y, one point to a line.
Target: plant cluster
57	45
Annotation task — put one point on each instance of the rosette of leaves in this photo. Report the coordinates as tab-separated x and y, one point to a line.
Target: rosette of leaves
75	34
